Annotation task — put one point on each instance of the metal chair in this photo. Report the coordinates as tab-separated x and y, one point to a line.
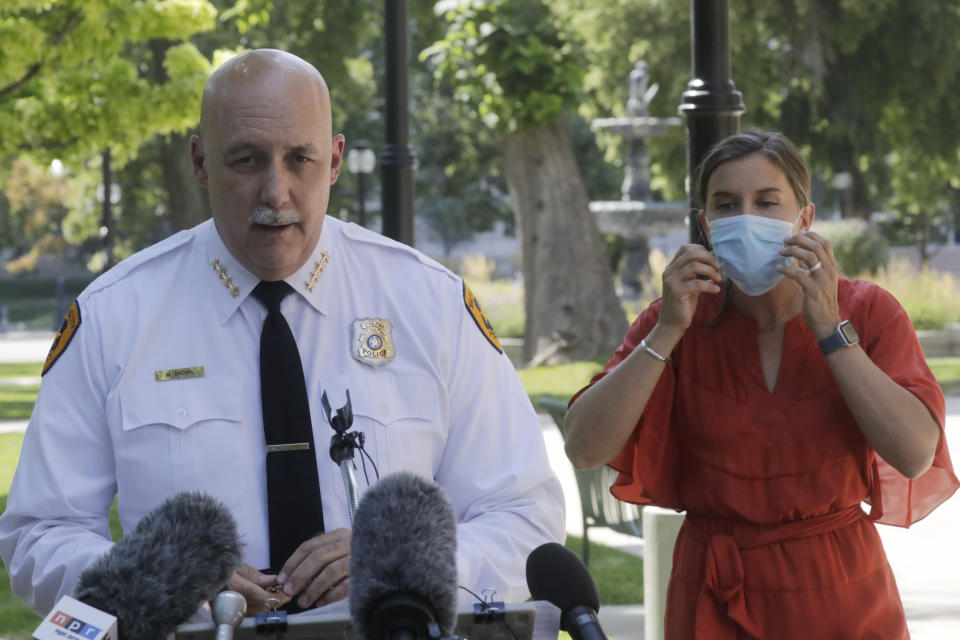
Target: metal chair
599	507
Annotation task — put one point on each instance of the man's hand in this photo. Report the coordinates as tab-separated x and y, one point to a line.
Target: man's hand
319	570
253	585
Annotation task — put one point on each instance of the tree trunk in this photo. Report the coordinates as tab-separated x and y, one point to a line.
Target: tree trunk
572	309
186	200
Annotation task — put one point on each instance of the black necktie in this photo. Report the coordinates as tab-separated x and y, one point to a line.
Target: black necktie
293	488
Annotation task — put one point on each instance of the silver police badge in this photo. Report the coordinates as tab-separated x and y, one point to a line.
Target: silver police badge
373	341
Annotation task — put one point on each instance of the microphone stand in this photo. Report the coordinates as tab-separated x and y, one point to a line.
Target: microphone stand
342	447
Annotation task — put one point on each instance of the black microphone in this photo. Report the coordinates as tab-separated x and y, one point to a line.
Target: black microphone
179	554
557	575
403	565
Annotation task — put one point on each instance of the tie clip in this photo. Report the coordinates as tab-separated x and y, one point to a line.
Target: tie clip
293	446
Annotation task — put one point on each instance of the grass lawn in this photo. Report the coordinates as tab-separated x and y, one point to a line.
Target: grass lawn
947	372
20	369
560	381
619	575
16	401
17	622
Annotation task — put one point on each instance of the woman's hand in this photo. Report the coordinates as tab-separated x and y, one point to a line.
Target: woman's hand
692	271
817	274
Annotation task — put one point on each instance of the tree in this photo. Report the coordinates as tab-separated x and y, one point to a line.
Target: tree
80	76
67	88
834	76
518	69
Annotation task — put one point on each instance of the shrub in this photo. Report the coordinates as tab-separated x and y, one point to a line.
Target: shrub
930	298
859	247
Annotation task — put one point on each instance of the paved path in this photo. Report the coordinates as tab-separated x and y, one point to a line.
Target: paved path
25	346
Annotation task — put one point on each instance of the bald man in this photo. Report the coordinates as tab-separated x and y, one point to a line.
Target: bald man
153	384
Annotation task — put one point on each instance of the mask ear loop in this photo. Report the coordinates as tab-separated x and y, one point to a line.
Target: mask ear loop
800	217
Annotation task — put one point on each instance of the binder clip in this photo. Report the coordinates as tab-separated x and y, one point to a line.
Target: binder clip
489	610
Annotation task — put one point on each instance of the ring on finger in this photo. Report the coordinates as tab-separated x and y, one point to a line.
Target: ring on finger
815	267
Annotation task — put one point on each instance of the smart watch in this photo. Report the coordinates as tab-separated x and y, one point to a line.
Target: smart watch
844	336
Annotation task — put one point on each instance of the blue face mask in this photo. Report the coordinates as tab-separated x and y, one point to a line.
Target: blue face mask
748	250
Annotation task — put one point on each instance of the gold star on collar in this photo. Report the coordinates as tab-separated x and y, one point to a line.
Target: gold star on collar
320	265
227	280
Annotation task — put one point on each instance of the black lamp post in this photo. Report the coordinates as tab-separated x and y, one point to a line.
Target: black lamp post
397	158
109	197
711	103
361	161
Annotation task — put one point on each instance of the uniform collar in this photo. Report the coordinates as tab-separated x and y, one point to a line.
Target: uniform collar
231	283
314	280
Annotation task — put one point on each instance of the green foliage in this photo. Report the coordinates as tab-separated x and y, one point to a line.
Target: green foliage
72	82
39	212
616	35
930	298
833	76
514	63
858	246
460	186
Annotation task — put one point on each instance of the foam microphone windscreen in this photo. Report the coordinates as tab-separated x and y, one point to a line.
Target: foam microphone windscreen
404	544
179	554
557	575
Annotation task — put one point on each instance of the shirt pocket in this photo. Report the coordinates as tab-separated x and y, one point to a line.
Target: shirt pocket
182	435
398	417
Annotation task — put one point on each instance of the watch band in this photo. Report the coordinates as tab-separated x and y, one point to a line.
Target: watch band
839	338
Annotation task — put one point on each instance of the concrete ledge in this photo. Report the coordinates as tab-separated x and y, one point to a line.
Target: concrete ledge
943	343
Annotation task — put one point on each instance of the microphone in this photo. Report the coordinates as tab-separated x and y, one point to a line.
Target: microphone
228	609
557	575
179	554
342	446
403	566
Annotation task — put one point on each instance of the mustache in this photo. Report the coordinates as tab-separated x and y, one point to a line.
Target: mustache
271	216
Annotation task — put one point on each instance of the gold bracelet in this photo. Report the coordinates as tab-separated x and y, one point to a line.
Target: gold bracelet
644	346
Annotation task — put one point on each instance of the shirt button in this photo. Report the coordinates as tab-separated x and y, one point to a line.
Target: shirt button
182	412
384	410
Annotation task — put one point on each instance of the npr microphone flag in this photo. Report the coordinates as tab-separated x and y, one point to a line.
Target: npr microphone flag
71	619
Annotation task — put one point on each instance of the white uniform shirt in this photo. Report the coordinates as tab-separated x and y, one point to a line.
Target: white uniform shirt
448	407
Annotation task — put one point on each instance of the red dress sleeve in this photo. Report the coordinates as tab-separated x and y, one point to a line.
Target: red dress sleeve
895	348
648	460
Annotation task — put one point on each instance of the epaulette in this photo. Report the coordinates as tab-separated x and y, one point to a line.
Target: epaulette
124	267
355	232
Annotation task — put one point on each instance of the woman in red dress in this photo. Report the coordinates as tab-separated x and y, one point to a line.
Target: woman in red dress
769	404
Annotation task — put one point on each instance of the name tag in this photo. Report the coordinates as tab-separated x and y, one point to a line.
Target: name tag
179	374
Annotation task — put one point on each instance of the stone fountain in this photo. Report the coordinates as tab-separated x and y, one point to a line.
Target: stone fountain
636	216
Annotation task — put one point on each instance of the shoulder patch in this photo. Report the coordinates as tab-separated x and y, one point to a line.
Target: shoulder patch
473	306
67	330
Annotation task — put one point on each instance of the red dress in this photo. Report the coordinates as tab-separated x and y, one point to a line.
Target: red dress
775	544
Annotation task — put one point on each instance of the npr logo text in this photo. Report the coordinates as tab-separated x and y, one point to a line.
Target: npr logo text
75	625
